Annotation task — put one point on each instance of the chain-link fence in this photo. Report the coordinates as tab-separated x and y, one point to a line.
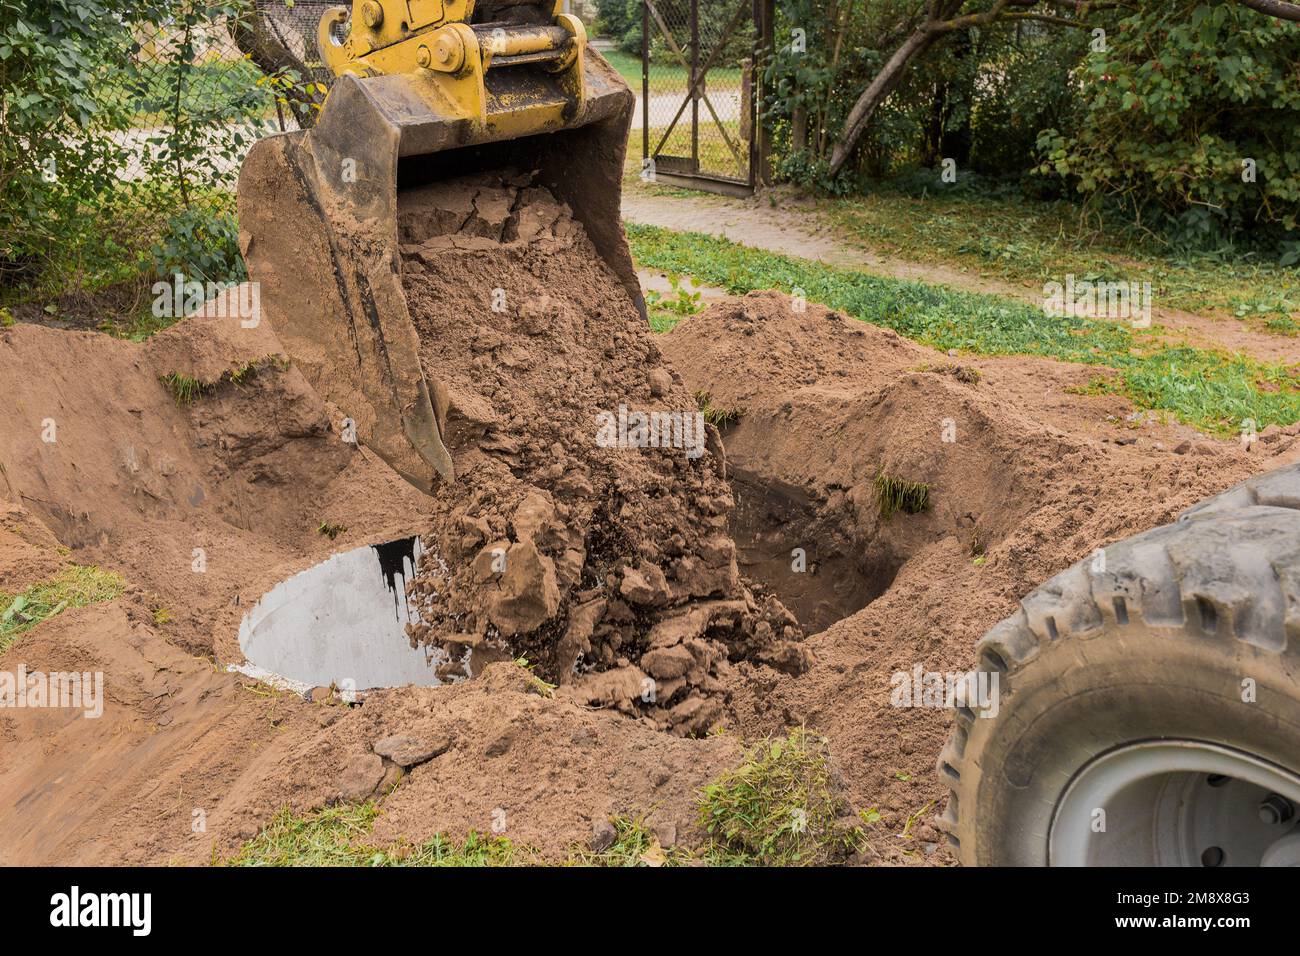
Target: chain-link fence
699	108
235	75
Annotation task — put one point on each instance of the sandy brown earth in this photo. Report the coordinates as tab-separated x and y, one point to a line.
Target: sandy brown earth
1025	477
1034	478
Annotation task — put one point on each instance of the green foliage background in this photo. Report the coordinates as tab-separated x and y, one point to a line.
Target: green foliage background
121	128
1183	96
1151	128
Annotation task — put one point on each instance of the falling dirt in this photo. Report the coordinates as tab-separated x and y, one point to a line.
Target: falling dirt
596	549
204	506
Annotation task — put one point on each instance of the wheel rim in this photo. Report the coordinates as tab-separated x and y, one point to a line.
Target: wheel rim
1177	803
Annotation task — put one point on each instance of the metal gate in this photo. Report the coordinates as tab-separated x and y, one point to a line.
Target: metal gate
700	92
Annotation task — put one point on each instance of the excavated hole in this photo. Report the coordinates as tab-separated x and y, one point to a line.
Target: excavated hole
341	623
770	521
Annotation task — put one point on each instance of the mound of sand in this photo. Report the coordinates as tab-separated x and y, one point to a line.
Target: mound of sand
1025	478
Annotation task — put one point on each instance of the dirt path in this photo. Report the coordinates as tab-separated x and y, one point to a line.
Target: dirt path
795	229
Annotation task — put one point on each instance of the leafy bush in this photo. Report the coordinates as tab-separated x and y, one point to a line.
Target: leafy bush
60	60
120	138
620	20
1185	98
200	243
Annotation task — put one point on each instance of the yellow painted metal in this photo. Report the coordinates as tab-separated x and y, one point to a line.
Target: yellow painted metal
434	39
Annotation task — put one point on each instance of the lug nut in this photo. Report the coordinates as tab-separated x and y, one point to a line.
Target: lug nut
1276	809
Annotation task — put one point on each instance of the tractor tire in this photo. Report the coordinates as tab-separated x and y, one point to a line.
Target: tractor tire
1148	701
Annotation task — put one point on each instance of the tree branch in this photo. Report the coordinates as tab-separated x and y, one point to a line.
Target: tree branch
272	57
1274	8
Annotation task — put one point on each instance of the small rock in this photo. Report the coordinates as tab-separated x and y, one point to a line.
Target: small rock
411	751
660	382
645	585
361	778
603	836
666	834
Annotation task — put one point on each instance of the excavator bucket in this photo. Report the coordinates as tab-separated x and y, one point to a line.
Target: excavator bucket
427	90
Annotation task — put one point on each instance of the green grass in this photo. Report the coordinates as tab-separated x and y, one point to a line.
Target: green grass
897	494
668	77
74	586
994	232
185	389
777	808
1208	389
717	417
340	836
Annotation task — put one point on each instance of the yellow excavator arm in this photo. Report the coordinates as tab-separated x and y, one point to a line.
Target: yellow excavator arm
426	90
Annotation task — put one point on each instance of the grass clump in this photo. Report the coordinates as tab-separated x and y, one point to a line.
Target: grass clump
74	586
330	529
779	807
340	836
897	494
185	389
1206	388
635	845
718	417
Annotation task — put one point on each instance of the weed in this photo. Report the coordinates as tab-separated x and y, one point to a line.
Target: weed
535	684
896	494
777	808
330	529
74	586
911	820
666	311
185	390
718	417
